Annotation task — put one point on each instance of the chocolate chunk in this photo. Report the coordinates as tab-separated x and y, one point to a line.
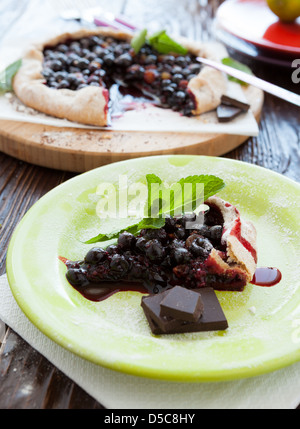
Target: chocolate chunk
212	319
228	101
227	113
183	304
151	307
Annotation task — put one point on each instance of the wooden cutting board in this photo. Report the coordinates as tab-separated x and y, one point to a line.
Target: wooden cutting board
78	150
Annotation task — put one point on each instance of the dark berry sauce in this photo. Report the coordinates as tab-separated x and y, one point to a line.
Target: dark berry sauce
100	291
266	277
105	61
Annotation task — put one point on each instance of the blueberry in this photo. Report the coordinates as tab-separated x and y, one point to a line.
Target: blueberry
100	72
215	232
53	84
135	72
63	84
95	40
72	57
177	77
180	256
94	79
75	47
99	51
86	72
47	73
204	230
170	224
168	90
77	276
182	61
90	56
56	65
83	63
190	76
109	59
195	68
94	65
166	82
119	265
150	59
85	42
61	75
168	59
82	85
112	249
95	256
49	54
180	233
155	250
141	244
126	241
158	234
177	244
201	247
138	271
180	96
61	57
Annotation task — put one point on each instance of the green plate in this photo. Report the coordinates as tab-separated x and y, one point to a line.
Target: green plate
264	323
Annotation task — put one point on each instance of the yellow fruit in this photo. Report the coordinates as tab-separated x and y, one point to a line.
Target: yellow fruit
286	10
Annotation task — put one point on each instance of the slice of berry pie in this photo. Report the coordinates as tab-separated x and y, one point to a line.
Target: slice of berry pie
70	76
220	253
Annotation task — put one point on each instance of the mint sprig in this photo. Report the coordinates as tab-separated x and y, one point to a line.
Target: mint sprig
236	65
7	75
170	200
160	41
139	41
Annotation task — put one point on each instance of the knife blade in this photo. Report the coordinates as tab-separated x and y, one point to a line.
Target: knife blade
279	92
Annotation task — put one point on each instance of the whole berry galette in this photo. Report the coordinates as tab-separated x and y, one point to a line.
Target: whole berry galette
69	77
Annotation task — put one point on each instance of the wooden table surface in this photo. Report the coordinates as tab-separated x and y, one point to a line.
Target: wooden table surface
28	380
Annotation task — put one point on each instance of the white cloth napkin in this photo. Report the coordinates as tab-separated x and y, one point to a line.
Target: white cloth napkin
277	390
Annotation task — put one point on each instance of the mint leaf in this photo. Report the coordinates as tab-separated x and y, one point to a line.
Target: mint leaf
160	41
164	44
133	229
212	184
172	200
139	41
236	65
151	223
155	36
7	75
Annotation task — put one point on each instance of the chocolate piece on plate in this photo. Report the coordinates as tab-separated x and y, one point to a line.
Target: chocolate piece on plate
151	307
225	99
183	304
227	113
212	319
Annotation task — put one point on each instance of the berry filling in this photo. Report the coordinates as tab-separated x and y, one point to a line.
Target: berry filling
105	61
159	259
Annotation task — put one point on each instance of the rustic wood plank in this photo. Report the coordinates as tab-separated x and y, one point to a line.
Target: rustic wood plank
29	381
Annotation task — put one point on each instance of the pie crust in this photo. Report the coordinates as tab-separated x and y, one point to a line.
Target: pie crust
90	105
239	237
